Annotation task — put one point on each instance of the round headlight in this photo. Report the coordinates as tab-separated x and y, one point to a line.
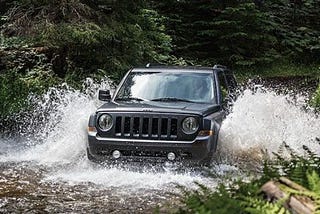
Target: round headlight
190	125
105	122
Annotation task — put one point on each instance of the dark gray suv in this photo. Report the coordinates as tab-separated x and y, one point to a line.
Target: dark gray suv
162	113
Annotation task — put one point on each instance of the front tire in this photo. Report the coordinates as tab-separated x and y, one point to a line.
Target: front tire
91	158
207	161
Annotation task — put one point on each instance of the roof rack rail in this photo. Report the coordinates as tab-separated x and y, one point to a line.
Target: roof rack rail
154	65
219	66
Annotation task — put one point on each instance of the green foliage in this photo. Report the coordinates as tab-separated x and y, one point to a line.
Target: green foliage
15	89
240	197
92	36
13	93
43	42
205	201
257	206
112	36
298	30
245	197
244	34
154	30
24	71
314	181
242	29
298	167
86	34
13	42
316	98
283	69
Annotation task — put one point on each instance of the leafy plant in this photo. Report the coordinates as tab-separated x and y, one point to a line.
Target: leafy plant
91	36
245	197
244	34
13	93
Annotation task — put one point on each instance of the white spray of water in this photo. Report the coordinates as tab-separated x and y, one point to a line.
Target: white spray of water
264	121
125	180
62	135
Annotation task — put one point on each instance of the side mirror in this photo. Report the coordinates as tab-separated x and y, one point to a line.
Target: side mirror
104	95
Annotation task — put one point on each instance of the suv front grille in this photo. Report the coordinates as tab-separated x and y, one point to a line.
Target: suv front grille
146	127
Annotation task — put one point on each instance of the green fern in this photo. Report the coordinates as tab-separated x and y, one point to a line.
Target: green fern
258	206
314	182
241	197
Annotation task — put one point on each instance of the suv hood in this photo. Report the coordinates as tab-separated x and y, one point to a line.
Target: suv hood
160	107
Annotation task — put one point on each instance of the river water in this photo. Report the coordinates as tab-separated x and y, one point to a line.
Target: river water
44	166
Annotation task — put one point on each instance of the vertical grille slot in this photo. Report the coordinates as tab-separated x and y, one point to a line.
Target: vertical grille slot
136	125
126	131
164	127
169	127
155	127
118	126
174	128
145	127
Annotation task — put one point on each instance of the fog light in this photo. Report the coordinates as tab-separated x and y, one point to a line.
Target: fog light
171	156
205	133
116	154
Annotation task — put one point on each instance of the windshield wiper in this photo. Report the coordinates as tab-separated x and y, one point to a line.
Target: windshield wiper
130	98
171	99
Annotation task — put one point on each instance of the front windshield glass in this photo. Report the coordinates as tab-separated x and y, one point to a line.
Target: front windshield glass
168	86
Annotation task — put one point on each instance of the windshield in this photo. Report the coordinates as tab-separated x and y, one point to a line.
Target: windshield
168	86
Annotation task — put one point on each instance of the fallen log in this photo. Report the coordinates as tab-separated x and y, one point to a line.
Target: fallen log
288	191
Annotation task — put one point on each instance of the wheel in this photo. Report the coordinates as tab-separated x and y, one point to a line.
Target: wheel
90	157
208	160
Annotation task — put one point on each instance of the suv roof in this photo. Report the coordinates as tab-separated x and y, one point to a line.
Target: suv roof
164	68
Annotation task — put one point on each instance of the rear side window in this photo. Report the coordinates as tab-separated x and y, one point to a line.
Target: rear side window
227	81
223	85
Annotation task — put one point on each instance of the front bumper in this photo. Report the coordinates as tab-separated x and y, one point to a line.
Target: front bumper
156	150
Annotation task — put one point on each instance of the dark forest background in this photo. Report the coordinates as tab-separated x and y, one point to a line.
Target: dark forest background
46	42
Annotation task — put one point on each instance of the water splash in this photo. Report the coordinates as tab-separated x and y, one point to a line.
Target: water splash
55	130
126	179
262	121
